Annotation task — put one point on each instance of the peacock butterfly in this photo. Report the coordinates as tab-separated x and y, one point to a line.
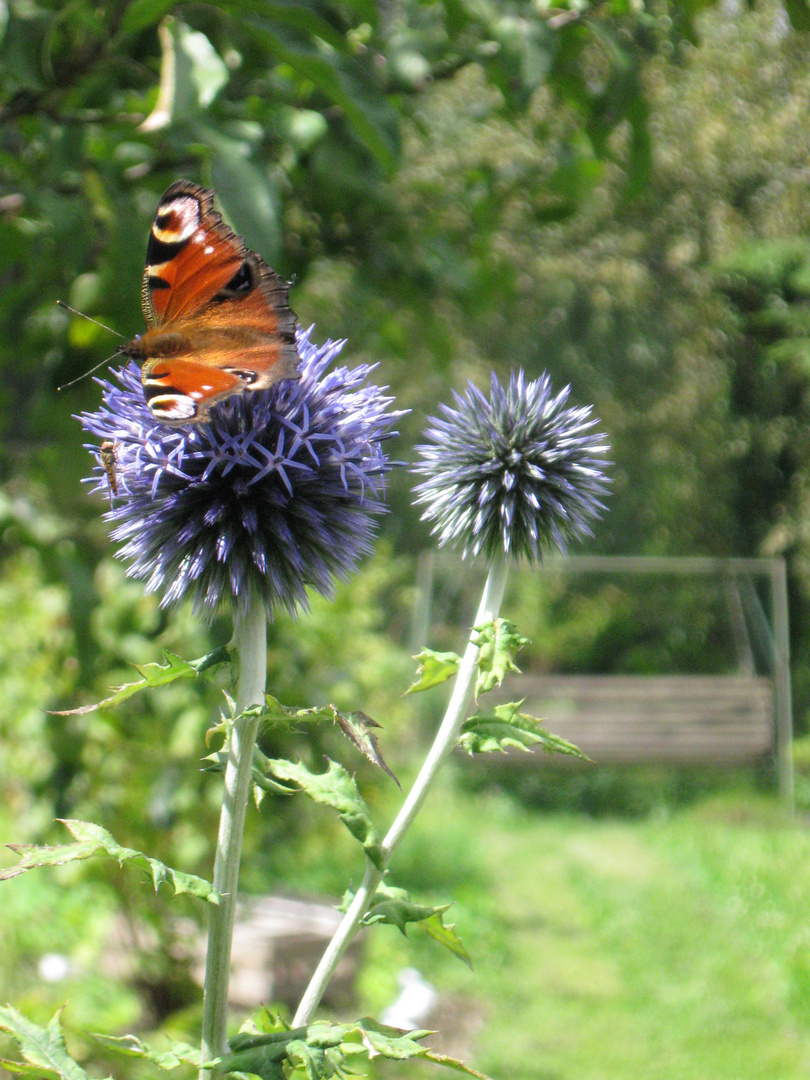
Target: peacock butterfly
218	320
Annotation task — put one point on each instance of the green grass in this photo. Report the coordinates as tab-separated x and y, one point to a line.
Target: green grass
675	947
668	949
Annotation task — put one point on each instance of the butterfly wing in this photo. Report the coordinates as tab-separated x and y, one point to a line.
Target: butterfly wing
219	319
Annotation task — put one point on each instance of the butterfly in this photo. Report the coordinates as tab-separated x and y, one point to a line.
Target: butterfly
218	318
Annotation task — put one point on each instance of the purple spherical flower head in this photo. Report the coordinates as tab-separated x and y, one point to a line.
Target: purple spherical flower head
513	474
278	491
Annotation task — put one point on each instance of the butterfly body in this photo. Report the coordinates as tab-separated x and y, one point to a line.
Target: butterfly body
218	319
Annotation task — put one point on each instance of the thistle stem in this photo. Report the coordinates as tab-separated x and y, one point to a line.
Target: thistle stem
446	739
448	733
251	644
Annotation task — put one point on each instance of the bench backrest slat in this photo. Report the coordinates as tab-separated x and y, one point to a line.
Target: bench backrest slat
667	719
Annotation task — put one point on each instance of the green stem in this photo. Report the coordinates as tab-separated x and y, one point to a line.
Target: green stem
446	739
251	645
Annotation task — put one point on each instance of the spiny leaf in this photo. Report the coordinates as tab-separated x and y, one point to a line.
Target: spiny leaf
263	1061
325	1033
273	712
311	1059
132	1046
92	839
506	726
155	675
394	906
355	725
453	1063
44	1049
498	644
389	1042
261	1053
248	1040
337	789
445	934
320	1050
263	782
218	761
227	720
434	669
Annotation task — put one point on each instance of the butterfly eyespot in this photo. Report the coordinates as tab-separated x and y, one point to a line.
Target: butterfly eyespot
173	408
247	377
244	281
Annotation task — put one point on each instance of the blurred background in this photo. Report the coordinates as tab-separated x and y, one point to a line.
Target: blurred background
613	192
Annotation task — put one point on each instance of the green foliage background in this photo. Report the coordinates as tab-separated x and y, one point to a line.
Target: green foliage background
612	192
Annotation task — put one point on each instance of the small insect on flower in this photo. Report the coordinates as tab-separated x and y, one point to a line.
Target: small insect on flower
512	474
277	492
107	454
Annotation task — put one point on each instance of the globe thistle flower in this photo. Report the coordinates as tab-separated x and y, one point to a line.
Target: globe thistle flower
513	474
278	491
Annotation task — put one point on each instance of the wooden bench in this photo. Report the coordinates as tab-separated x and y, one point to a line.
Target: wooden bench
678	719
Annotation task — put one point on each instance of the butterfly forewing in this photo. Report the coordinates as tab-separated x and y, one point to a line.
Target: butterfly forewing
191	254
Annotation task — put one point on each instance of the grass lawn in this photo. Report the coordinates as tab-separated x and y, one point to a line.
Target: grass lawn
668	948
675	947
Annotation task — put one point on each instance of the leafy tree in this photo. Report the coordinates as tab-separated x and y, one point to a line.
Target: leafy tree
384	156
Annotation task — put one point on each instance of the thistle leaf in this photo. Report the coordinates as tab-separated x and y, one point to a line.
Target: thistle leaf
91	840
506	726
356	726
264	1053
44	1049
131	1046
250	1039
453	1063
335	788
445	934
155	675
321	1050
310	1058
389	1042
498	644
263	1061
434	669
394	906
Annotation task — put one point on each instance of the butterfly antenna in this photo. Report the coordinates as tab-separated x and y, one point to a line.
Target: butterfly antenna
82	315
84	374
